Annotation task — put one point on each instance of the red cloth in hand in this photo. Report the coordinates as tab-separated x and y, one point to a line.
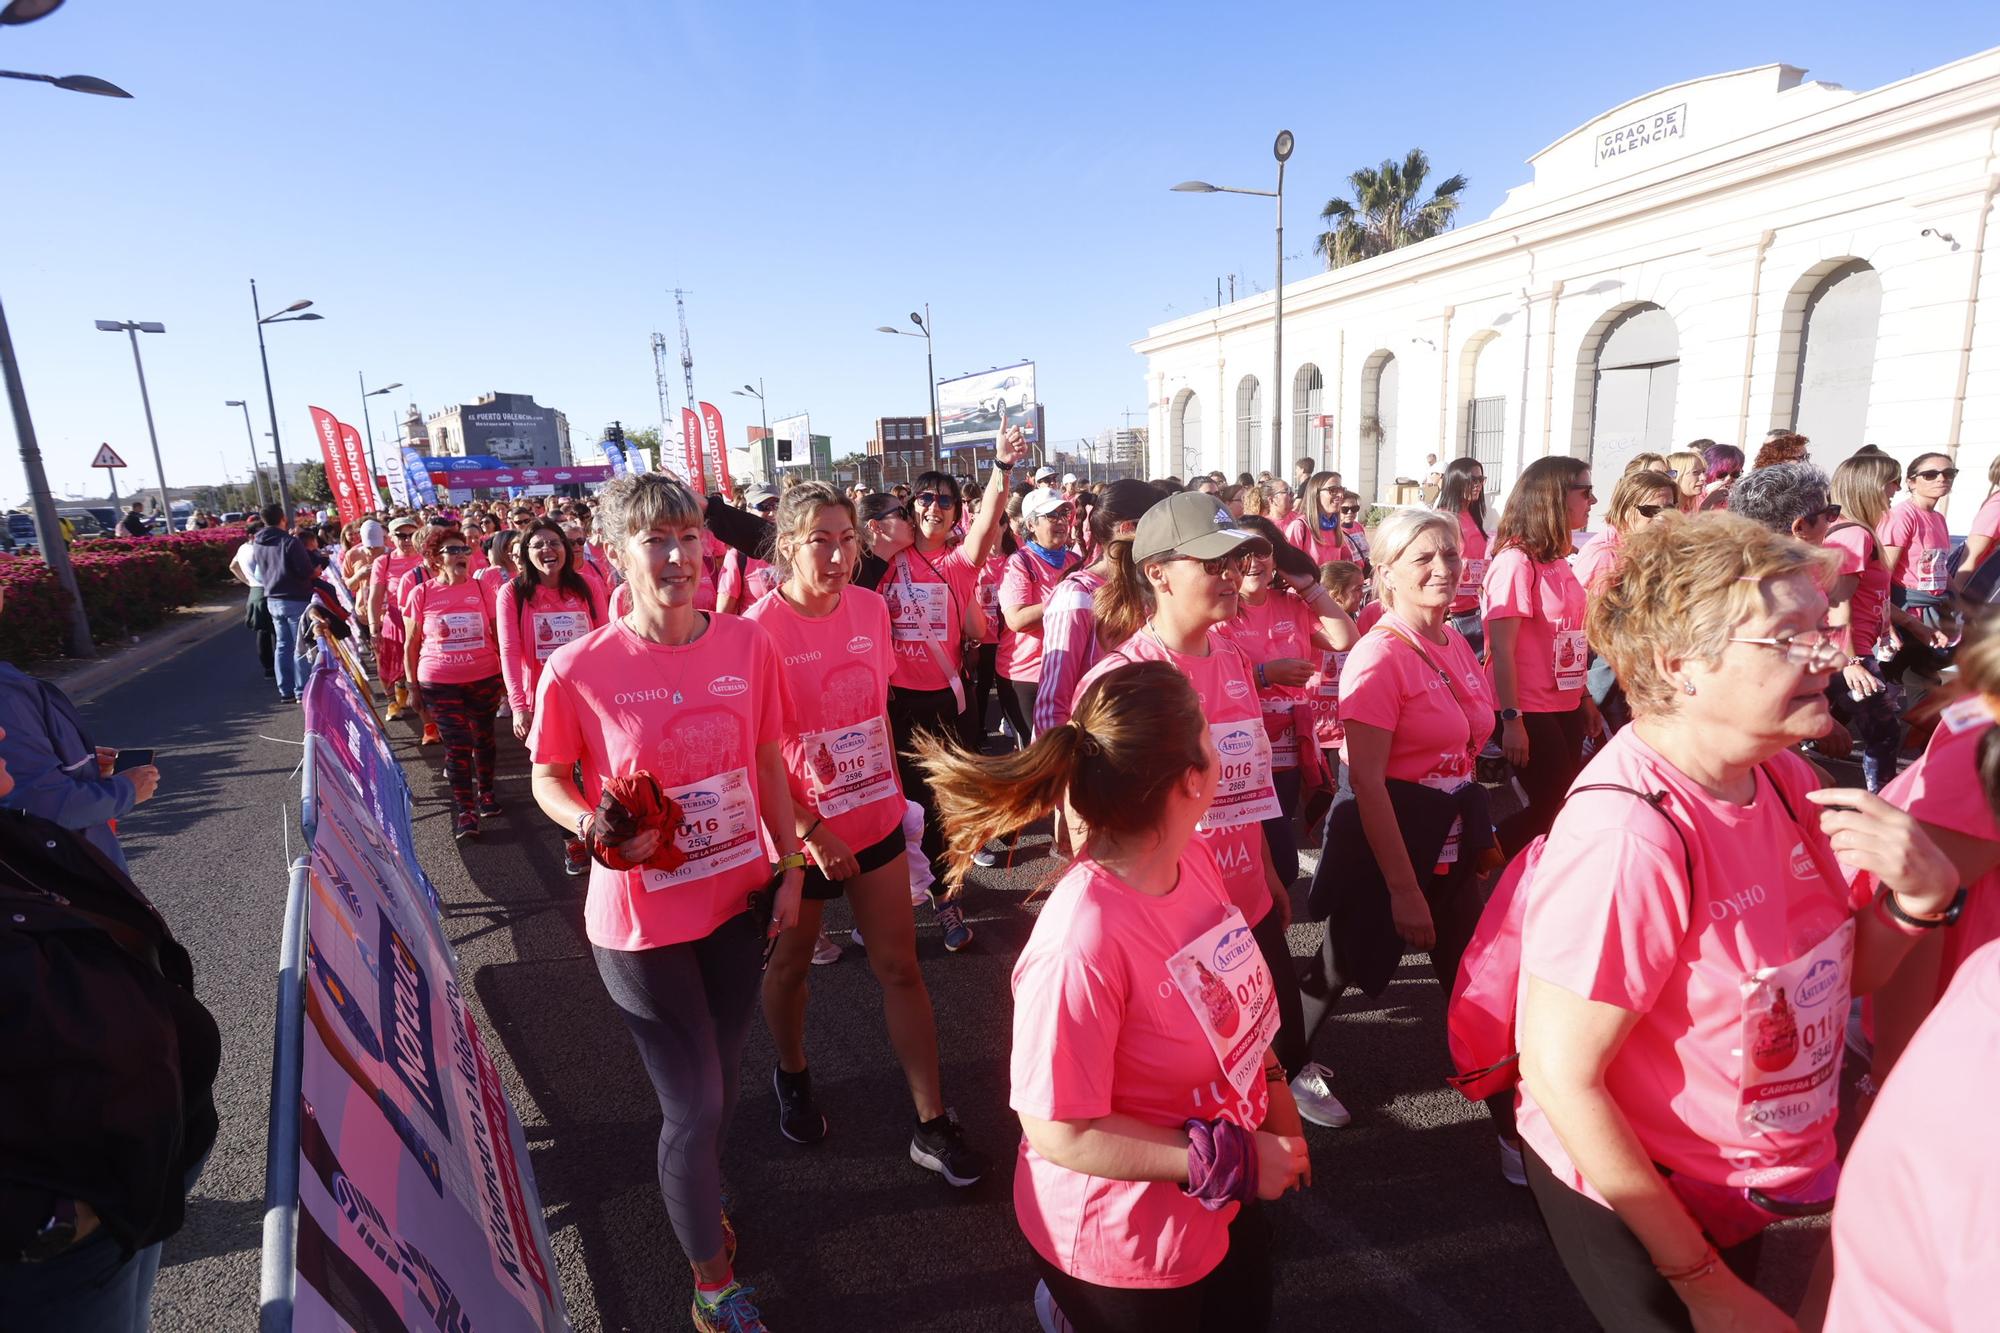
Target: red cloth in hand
628	807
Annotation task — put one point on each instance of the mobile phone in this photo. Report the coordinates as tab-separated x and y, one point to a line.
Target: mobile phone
131	759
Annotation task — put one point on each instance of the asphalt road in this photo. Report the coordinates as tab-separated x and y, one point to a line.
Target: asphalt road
1408	1224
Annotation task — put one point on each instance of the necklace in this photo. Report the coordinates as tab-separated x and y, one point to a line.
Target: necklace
701	627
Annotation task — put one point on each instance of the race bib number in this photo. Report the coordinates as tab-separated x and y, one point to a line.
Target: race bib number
1221	975
1927	570
918	612
1281	730
462	630
553	629
850	766
1245	794
1572	659
1471	575
718	829
1794	1024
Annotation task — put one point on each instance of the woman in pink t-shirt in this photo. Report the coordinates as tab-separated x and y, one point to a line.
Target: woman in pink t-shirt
1319	502
1983	537
833	639
452	651
1537	657
1690	941
1032	574
695	701
1464	495
1870	706
1284	513
1154	1113
1916	546
1638	498
385	613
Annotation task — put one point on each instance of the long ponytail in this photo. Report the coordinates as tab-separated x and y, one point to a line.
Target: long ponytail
1124	603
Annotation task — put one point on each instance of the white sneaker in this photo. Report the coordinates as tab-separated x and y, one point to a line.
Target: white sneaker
825	951
1512	1169
986	858
1313	1091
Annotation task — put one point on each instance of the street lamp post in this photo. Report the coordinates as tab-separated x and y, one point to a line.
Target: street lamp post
48	528
286	316
764	415
374	496
923	322
134	329
250	434
1281	149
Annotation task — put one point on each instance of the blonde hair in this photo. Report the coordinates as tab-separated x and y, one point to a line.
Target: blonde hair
1257	499
630	505
1134	734
1125	601
798	509
1396	534
1681	587
1646	463
1631	492
1861	485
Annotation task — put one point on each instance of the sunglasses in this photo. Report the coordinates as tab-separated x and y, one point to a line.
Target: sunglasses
1722	476
888	514
767	506
937	499
1063	514
1649	511
1350	509
455	550
1216	568
1829	512
1934	473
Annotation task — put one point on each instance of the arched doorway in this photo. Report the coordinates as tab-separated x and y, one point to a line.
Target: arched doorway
1637	361
1381	388
1249	428
1836	358
1308	438
1184	435
1482	378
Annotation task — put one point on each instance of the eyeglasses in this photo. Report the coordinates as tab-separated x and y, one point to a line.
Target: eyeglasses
1723	476
1330	492
1649	511
766	506
937	499
1829	512
1817	651
1062	513
1216	568
1934	473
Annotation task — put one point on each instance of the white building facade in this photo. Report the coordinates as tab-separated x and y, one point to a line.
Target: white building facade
1724	257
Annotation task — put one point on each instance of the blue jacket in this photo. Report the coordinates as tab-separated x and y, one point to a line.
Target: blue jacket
291	572
54	765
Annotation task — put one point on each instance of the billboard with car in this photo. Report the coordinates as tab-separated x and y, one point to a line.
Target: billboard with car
974	409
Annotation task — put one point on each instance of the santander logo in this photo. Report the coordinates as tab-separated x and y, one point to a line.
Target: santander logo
725	687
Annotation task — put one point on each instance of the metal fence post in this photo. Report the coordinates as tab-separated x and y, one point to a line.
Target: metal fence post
279	1278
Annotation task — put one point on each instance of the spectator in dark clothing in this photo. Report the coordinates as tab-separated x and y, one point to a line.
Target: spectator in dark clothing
289	572
134	523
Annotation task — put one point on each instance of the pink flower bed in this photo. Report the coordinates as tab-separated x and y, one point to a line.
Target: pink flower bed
128	584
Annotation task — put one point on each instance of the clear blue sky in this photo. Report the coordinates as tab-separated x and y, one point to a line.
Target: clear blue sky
500	195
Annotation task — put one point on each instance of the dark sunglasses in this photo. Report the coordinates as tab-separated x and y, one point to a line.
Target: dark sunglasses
1350	509
1649	511
1217	567
937	499
1723	476
1933	473
456	550
767	506
1829	512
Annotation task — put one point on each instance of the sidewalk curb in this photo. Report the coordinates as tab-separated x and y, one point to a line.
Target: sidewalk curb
85	681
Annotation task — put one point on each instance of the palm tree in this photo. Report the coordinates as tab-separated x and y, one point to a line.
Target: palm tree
1385	213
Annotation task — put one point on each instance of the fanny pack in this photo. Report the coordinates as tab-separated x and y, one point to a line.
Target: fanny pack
1732	1214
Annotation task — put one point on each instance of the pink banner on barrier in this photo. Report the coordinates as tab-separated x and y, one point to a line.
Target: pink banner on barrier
584	474
717	455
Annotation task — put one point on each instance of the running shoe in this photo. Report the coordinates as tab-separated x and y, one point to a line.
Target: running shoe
489	804
939	1145
1313	1091
1048	1313
1512	1169
825	951
576	857
799	1117
430	736
731	1311
466	825
986	858
951	920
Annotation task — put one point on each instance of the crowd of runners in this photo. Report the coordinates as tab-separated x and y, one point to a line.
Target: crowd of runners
1582	770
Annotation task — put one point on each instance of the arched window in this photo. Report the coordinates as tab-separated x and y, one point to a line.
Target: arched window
1381	389
1249	428
1309	438
1184	435
1836	360
1635	362
1483	389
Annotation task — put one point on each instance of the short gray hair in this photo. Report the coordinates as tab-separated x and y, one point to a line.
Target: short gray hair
630	504
1396	533
1779	495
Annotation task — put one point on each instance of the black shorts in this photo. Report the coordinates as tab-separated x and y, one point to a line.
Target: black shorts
868	858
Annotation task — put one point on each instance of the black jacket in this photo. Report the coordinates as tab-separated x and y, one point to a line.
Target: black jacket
294	573
107	1059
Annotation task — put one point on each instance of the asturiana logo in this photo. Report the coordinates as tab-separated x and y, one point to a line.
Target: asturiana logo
699	802
861	643
1236	689
1822	980
1802	862
1234	949
1235	743
848	742
725	687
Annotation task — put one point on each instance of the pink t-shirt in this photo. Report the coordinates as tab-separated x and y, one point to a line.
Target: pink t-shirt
1436	726
1597	562
608	701
927	596
838	751
459	643
1943	788
1371	613
1327	544
1069	646
1281	627
385	576
1472	567
1550	658
1861	554
1986	523
745	579
1611	917
987	589
1102	1026
1293	529
531	634
1228	693
1913	1230
1028	581
1925	543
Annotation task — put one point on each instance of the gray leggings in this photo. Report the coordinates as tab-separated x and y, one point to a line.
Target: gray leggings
689	1008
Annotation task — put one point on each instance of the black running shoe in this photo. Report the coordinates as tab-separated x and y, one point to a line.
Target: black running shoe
799	1117
466	825
939	1145
489	804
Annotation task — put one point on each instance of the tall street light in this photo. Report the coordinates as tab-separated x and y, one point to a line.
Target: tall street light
923	322
1282	150
250	434
374	496
763	415
286	316
134	329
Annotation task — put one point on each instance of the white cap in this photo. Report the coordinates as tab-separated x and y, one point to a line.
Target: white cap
1044	473
1069	478
1040	502
374	534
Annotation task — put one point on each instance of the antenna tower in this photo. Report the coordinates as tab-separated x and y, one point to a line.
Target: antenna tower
660	381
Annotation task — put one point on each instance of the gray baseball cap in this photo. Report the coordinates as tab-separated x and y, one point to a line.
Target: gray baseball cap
1191	524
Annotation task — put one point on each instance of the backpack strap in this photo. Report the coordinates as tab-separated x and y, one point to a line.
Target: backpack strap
1874	542
1658	801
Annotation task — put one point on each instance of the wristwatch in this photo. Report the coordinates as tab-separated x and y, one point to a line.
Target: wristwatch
791	861
1510	715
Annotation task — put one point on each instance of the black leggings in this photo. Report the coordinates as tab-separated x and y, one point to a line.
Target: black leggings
1291	1043
1017	704
1608	1266
688	1007
972	726
912	711
1555	757
1236	1294
1279	833
464	717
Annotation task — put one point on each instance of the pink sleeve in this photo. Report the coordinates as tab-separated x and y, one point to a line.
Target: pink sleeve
1370	615
1899	526
556	737
1066	1024
1016	589
620	601
1608	905
507	619
1509	590
1851	561
730	585
1066	631
1371	688
1986	523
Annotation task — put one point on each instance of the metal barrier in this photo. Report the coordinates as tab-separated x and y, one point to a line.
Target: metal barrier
281	1145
